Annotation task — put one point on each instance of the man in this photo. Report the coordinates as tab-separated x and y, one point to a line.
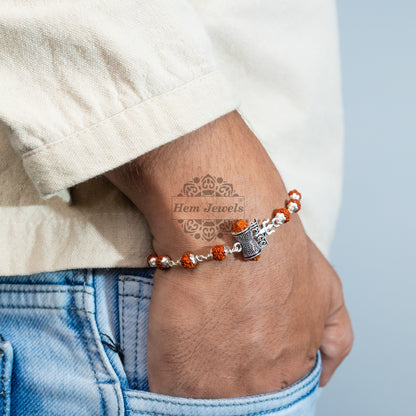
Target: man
106	99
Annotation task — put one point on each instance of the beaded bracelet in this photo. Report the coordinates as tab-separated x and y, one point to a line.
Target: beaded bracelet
251	238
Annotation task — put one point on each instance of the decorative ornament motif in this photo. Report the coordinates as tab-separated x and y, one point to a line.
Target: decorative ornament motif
203	186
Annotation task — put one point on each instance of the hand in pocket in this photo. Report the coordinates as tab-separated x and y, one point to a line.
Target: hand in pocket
247	328
233	328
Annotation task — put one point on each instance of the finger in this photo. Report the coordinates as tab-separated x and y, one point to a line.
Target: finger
336	342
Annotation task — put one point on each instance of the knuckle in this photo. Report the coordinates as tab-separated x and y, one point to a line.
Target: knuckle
339	341
345	343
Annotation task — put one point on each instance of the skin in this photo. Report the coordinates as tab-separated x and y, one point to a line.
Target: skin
233	328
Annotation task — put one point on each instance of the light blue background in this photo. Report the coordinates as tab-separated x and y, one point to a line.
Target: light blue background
375	245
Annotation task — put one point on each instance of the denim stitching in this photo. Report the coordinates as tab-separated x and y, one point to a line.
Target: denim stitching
3	384
81	291
136	342
89	356
29	281
98	344
123	311
139	296
136	279
123	330
261	413
45	307
45	291
255	401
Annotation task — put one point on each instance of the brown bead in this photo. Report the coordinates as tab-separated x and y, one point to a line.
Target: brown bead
218	252
239	225
294	191
161	262
188	261
283	211
151	260
256	258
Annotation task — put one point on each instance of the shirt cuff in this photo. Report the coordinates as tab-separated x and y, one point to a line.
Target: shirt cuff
128	134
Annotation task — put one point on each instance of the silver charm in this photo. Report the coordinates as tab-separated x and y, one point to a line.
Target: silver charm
251	240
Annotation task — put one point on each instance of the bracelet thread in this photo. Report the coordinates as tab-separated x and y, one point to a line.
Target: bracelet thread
251	239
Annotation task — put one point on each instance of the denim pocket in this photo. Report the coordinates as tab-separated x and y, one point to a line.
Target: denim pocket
298	399
6	365
59	363
134	299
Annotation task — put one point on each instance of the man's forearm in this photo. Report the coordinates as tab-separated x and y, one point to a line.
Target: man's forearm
232	328
225	148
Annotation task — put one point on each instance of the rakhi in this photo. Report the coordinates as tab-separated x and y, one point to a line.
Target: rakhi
251	239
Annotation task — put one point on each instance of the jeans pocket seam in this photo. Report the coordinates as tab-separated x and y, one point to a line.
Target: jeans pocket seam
46	307
136	341
6	363
246	400
3	389
69	290
257	413
139	296
137	279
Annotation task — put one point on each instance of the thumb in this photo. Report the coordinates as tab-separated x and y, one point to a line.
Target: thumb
337	340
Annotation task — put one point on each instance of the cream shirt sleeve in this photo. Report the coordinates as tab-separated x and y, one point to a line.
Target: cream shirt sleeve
88	85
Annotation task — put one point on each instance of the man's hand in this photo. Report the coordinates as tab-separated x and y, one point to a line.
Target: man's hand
233	328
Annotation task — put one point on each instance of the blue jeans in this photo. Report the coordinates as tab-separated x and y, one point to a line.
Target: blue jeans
73	343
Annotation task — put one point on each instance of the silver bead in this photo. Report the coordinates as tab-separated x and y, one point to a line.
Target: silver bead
279	219
152	262
165	262
292	207
193	258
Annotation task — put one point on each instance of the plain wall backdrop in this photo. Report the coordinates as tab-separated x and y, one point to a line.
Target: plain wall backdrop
375	245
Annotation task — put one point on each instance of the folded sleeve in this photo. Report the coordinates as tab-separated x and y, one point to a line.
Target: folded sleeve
88	85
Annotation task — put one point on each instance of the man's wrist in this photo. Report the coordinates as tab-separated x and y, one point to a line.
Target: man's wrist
226	149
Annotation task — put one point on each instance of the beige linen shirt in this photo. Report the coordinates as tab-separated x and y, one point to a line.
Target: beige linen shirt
88	85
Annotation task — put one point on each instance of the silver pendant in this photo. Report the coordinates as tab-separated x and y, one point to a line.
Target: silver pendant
252	242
